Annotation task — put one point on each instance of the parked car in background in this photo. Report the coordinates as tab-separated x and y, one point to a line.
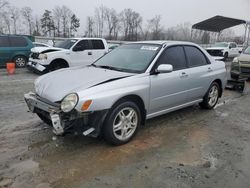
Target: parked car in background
132	83
15	48
240	66
69	53
39	44
224	49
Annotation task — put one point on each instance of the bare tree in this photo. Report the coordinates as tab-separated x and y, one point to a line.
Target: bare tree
37	31
99	20
154	25
112	19
27	15
90	26
66	15
3	3
7	21
131	23
57	14
14	13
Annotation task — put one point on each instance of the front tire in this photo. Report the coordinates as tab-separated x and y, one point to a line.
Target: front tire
212	96
122	123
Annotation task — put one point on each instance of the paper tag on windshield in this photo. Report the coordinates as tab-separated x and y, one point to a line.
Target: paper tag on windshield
152	48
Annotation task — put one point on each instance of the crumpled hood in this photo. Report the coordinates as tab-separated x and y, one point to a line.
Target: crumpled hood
56	85
216	48
45	49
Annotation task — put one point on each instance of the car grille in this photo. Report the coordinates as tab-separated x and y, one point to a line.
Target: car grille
34	55
245	70
215	52
245	62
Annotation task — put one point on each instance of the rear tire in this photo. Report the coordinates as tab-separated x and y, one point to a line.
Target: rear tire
212	96
225	56
122	123
20	61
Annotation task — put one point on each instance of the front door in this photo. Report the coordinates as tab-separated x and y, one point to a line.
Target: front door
170	89
82	53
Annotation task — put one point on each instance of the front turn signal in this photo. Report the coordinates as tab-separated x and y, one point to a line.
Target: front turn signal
86	105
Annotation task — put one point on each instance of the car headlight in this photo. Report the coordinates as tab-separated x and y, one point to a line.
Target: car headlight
235	60
69	102
43	56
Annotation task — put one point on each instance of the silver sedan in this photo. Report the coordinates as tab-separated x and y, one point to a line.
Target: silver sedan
137	81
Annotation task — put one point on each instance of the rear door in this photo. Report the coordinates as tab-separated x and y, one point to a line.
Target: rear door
200	72
169	89
4	50
98	48
19	46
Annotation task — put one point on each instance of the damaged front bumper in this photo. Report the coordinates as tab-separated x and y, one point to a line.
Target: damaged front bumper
88	123
36	67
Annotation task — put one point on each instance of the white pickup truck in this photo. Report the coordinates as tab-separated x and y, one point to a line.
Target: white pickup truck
225	50
69	53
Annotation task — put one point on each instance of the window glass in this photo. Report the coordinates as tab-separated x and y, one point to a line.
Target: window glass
174	56
4	41
195	56
97	44
84	44
18	42
233	45
67	44
129	57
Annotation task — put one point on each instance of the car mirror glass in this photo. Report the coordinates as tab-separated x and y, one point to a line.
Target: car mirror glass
78	48
164	68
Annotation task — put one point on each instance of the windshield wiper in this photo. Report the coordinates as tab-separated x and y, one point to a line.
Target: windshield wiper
106	67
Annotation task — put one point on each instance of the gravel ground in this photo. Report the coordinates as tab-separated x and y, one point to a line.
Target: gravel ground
187	148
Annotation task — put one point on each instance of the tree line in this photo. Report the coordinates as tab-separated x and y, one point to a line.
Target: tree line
127	25
58	22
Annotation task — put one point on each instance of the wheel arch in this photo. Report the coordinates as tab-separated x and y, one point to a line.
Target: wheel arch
138	101
61	60
218	81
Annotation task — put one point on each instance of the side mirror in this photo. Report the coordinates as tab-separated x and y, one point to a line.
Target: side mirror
230	47
164	68
78	49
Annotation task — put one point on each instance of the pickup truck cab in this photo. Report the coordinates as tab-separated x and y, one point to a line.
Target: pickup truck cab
224	49
69	53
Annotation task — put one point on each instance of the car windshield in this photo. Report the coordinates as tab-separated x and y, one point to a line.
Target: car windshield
67	44
221	44
133	58
247	50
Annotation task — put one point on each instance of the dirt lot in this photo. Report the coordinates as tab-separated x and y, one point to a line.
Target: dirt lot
187	148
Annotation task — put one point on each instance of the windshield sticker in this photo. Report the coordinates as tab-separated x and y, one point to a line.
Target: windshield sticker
151	48
73	41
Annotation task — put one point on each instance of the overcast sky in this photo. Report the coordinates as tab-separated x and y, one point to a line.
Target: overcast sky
173	12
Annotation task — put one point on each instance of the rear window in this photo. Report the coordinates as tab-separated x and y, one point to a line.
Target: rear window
97	44
195	56
4	41
18	42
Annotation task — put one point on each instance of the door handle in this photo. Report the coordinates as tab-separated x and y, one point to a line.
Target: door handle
184	75
209	69
89	53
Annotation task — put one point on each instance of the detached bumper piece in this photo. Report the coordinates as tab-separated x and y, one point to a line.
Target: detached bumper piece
238	85
36	67
84	123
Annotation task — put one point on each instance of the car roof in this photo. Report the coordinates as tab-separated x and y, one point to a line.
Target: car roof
88	38
161	42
